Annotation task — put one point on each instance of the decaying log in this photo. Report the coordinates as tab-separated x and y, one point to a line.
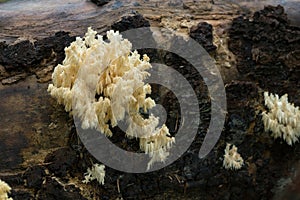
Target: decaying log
37	134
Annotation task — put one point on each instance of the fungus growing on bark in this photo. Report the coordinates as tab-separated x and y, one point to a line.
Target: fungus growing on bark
4	190
232	159
102	83
282	119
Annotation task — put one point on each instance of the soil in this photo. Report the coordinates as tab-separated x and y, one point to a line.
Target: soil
255	51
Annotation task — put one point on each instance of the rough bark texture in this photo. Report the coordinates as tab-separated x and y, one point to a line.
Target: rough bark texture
267	51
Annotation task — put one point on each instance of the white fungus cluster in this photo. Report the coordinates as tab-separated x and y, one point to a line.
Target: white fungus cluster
232	159
96	172
102	83
4	190
283	118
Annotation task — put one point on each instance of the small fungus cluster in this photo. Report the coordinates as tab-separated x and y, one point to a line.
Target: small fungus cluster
283	118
